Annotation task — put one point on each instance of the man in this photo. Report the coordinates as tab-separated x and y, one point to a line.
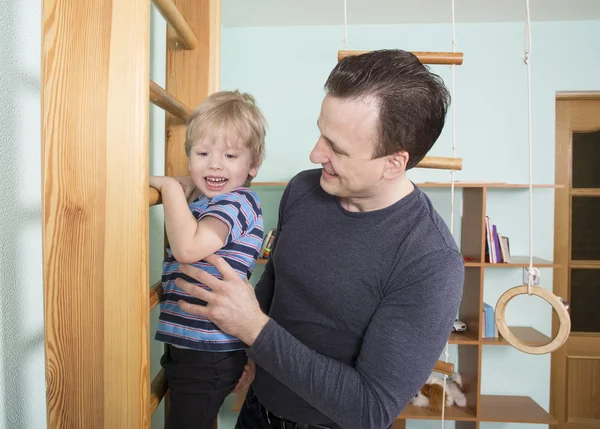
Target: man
364	280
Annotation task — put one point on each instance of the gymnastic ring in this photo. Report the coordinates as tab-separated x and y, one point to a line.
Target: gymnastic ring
559	305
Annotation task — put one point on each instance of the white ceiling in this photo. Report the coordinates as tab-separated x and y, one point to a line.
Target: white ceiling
249	13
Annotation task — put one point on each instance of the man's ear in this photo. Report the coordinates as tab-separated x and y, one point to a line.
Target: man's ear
396	165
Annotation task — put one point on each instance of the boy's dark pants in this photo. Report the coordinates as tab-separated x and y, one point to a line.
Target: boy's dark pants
198	383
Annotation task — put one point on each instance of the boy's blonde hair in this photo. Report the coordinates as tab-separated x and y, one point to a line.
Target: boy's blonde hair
224	108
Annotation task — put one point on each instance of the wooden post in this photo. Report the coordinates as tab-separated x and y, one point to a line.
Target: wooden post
191	76
95	98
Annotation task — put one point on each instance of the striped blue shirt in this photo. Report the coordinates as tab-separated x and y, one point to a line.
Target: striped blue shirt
240	210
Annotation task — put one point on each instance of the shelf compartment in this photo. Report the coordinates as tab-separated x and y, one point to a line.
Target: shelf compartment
523	261
513	409
468	338
494	408
526	334
451	413
469	311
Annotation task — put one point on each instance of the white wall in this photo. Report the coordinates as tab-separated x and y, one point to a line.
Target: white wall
22	374
22	387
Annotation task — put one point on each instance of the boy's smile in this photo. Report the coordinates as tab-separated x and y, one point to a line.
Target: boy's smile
215	183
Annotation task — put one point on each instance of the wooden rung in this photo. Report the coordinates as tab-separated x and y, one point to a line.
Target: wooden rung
154	197
156	293
161	98
157	390
440	163
446	58
177	22
444	367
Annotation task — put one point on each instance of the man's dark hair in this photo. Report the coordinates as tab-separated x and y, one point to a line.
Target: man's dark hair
412	100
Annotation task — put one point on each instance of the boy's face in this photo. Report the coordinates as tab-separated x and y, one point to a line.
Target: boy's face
220	162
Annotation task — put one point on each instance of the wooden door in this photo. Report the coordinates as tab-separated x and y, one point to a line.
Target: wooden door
575	379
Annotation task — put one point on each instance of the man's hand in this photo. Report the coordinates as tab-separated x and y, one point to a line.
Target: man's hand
231	302
247	377
187	184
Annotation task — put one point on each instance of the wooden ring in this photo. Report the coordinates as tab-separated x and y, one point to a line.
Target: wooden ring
564	320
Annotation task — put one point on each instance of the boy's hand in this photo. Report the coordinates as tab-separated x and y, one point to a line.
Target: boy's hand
247	377
187	184
158	182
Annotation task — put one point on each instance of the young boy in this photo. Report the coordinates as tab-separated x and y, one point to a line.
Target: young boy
214	211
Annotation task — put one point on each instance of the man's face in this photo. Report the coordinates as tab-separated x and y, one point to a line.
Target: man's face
349	135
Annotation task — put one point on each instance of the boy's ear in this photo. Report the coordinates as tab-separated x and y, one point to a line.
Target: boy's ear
253	171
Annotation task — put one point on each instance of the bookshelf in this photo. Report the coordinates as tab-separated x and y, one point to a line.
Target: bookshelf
481	407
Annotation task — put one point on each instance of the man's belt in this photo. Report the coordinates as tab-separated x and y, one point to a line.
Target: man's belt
277	422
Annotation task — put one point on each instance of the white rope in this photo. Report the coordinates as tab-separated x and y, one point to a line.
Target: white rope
345	26
531	271
446	349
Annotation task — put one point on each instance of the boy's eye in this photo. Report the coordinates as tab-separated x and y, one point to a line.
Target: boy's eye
231	156
201	153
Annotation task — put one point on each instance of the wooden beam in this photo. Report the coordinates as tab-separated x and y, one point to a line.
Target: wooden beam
156	293
177	22
158	390
444	58
153	197
191	75
161	98
95	212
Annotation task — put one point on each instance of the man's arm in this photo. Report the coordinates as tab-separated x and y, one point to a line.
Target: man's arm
190	240
403	341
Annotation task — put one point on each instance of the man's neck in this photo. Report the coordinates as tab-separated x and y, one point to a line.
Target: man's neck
390	193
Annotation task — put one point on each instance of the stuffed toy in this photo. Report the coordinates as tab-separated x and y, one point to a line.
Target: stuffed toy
430	395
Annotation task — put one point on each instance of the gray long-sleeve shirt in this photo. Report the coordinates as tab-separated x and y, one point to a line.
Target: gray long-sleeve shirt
361	306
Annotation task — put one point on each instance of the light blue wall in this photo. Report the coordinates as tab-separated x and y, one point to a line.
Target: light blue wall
285	68
22	372
158	49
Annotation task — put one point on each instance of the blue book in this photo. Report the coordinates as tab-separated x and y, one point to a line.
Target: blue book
488	311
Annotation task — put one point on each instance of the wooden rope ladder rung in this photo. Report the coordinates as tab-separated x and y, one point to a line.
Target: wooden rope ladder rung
444	368
177	22
441	58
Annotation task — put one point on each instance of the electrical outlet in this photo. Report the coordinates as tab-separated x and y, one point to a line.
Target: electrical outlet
536	276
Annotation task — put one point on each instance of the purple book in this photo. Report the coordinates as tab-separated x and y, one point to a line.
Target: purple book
499	256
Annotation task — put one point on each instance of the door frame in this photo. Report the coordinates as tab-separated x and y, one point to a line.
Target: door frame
562	238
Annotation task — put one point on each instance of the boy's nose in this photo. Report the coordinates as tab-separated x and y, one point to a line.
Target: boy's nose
214	163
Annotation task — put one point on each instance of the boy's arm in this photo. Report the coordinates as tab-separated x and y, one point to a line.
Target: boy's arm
190	240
